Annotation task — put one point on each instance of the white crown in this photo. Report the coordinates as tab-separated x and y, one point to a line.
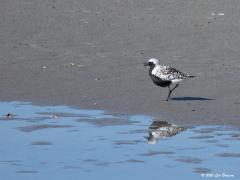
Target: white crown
153	60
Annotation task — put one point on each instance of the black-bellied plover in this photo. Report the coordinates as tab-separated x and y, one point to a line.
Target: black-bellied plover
164	76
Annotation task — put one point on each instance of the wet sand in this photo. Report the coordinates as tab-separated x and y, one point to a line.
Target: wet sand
89	54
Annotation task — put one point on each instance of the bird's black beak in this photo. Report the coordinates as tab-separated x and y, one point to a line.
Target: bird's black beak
146	64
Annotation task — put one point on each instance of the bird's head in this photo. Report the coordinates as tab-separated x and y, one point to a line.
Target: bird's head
151	62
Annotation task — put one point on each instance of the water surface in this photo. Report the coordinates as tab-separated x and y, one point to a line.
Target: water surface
42	142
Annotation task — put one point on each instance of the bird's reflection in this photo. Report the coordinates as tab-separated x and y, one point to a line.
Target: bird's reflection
162	129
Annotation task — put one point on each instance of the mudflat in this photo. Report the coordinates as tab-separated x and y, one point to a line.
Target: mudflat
90	54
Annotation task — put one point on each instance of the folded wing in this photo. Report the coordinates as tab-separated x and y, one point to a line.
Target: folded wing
168	73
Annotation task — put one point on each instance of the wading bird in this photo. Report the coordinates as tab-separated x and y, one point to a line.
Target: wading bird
164	76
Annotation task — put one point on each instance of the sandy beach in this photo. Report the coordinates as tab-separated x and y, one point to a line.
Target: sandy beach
90	54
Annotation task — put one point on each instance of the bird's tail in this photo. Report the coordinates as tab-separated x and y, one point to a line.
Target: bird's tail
191	76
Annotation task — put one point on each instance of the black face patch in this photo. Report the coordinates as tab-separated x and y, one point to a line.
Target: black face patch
150	63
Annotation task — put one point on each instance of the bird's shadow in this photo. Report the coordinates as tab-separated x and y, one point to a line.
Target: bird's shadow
191	99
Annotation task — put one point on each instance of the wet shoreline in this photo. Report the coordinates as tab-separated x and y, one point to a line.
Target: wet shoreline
91	54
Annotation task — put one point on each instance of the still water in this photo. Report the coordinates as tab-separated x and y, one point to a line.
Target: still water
61	142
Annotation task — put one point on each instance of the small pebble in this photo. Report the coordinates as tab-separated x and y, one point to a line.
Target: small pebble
9	116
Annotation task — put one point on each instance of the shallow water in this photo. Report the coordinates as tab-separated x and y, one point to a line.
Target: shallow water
60	142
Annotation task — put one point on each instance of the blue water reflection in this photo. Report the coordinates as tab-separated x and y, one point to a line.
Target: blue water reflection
60	142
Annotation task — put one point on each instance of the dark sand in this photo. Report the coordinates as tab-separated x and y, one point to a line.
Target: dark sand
108	40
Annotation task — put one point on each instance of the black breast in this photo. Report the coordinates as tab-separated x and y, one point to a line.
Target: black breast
158	81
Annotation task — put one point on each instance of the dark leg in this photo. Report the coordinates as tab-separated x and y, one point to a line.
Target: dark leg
170	91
